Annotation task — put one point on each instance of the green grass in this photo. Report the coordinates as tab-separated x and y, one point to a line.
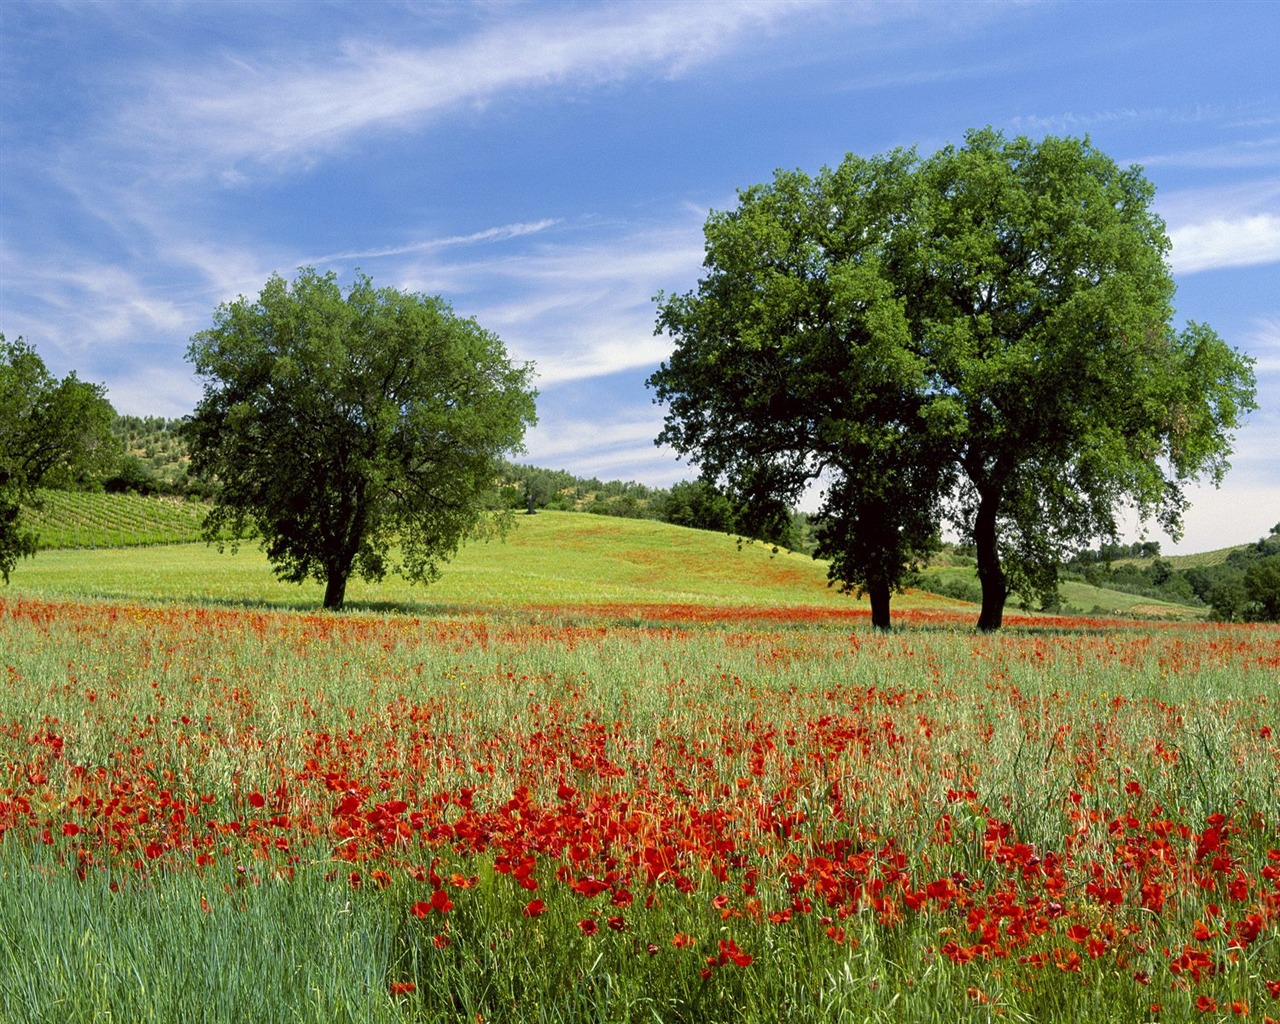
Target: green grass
548	559
66	519
1082	599
552	558
720	732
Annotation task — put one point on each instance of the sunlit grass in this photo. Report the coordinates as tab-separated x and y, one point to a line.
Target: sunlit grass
550	558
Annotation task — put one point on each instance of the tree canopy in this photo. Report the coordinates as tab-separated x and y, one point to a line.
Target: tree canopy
52	433
982	339
338	426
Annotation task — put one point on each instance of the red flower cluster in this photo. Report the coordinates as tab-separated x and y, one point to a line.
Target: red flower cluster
853	803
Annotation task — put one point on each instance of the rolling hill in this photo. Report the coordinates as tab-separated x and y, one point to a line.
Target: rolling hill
549	559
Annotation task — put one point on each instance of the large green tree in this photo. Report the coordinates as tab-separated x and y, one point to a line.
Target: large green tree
794	362
989	334
354	433
52	433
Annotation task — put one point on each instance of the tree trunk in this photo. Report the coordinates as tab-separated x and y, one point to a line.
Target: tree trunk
335	589
990	574
879	592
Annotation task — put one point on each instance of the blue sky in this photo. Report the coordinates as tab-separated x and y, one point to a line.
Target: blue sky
547	167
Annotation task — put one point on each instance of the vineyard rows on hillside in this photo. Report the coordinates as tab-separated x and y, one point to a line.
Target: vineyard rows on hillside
64	519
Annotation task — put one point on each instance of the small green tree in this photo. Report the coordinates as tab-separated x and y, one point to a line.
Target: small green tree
336	426
699	505
1262	586
52	432
1228	597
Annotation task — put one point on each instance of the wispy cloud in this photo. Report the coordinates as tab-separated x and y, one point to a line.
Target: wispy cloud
1083	120
1224	226
1215	244
270	109
496	234
579	302
1249	152
619	447
1263	343
79	304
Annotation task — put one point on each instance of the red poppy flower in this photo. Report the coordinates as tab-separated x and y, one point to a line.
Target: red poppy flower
534	908
589	926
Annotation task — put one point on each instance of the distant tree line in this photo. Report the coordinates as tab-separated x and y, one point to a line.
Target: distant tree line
692	503
154	460
1243	587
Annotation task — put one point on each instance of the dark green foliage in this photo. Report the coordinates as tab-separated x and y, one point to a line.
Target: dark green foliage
53	433
132	476
1228	597
793	362
1244	586
1262	587
336	425
983	338
696	504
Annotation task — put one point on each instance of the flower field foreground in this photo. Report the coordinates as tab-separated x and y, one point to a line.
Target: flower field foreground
634	814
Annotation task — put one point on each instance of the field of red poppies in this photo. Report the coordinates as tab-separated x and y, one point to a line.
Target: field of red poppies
634	813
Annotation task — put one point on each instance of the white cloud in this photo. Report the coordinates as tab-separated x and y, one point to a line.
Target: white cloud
1212	244
1224	226
71	306
560	437
1258	152
614	447
1263	344
277	111
1238	513
577	308
153	391
496	234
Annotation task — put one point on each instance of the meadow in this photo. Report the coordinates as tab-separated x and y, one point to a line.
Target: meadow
622	776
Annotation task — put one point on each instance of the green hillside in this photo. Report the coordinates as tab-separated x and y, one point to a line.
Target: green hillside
548	559
1077	597
92	546
76	519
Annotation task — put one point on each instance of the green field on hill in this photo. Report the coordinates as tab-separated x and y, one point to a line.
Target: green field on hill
548	559
551	558
78	519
